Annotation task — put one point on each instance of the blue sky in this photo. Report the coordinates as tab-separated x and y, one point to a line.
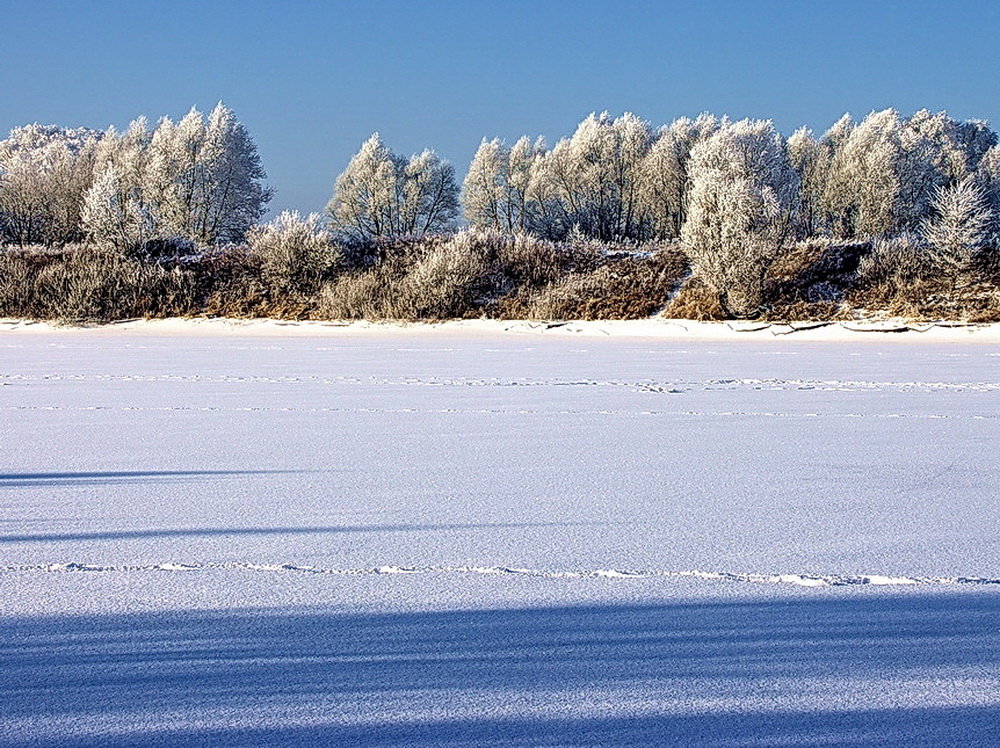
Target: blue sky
312	80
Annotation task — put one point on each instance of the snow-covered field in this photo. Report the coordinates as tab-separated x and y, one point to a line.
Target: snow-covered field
457	535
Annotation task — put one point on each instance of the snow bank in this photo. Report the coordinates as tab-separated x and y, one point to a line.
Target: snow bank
653	328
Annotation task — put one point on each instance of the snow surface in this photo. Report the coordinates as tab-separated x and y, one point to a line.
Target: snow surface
456	535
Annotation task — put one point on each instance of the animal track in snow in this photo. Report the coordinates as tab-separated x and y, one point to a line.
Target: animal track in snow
677	386
494	411
801	580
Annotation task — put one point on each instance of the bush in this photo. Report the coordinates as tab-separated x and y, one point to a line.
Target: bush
811	280
291	269
230	284
449	281
695	300
528	262
432	278
901	277
91	284
17	278
295	256
628	287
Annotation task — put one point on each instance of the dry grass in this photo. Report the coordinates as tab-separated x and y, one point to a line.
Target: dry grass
87	283
630	287
695	300
477	274
899	277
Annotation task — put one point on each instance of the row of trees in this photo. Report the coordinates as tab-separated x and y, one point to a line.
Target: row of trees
614	179
733	194
199	180
619	179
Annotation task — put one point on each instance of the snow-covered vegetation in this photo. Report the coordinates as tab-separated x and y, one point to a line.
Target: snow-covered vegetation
702	217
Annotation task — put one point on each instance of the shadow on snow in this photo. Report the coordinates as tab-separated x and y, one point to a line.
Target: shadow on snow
51	480
888	667
116	535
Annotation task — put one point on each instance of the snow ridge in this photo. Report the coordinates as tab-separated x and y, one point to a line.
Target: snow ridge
801	580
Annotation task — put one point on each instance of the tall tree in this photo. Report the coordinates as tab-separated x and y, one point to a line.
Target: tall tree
114	216
381	194
44	173
495	192
205	179
236	196
743	202
595	177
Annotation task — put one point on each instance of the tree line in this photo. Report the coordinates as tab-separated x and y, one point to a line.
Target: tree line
732	195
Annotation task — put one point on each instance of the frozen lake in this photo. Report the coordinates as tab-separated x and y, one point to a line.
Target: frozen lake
397	537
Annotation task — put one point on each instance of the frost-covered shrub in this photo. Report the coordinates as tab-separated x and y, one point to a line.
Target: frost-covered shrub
811	279
893	264
695	300
632	286
446	282
628	288
525	260
17	277
295	255
354	295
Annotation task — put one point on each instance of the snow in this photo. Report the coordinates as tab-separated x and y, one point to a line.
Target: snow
599	533
881	331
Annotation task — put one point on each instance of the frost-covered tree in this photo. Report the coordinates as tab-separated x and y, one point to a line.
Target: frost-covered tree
825	195
935	140
977	138
959	224
806	156
205	178
593	179
664	184
743	201
429	196
864	187
495	192
381	194
44	173
127	152
484	189
236	194
176	178
665	181
365	194
117	211
114	215
883	178
987	176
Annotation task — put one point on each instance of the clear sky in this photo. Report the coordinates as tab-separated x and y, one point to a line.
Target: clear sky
311	80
